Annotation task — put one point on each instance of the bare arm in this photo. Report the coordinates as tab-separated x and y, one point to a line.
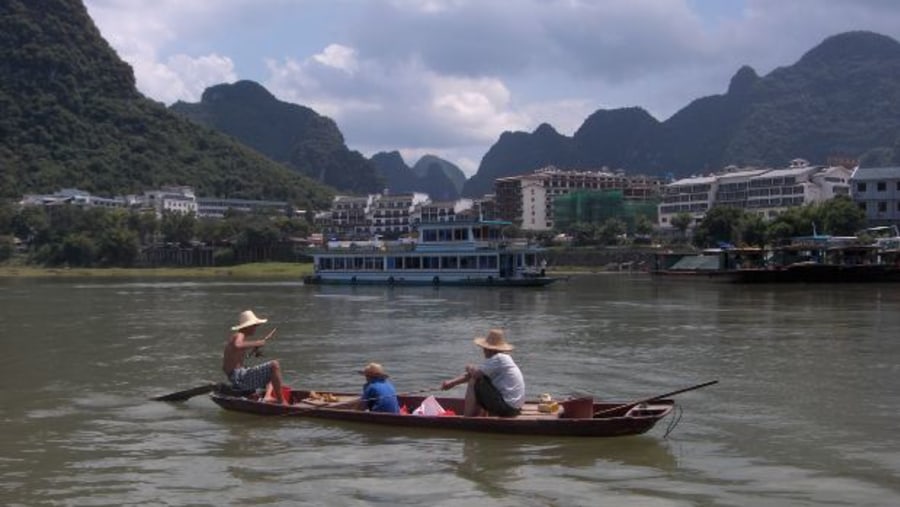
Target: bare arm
242	343
472	371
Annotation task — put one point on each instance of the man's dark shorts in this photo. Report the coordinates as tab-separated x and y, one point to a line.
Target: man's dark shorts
489	398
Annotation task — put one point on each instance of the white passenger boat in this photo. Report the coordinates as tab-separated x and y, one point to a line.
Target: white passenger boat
445	253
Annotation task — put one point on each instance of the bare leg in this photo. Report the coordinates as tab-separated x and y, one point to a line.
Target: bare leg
276	381
270	394
472	408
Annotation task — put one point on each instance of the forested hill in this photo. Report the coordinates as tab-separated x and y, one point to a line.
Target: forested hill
72	117
289	133
841	98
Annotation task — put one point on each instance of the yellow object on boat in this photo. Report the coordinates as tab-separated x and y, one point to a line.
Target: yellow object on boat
548	407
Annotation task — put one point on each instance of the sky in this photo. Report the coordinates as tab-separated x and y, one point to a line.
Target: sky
448	77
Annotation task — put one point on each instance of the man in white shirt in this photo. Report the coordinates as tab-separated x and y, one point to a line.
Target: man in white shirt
496	386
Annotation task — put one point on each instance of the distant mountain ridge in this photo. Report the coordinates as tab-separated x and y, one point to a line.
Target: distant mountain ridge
72	117
288	133
841	98
441	180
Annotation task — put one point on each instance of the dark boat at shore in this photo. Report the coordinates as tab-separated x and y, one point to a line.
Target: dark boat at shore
807	259
812	272
581	417
713	264
823	259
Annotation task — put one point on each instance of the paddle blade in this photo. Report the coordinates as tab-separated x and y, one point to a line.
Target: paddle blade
187	393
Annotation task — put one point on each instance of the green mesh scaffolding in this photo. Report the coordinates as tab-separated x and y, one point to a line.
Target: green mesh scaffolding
596	207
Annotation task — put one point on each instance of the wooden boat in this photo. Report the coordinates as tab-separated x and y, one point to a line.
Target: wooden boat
580	417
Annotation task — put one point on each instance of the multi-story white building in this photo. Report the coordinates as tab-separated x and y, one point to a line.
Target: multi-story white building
395	214
387	215
527	200
443	211
693	195
767	192
877	191
171	199
348	216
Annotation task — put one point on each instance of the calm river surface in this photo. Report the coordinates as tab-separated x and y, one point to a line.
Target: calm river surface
805	412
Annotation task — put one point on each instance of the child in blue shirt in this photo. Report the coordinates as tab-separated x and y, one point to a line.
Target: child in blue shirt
379	394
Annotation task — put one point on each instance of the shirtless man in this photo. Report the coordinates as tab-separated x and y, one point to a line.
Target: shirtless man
255	377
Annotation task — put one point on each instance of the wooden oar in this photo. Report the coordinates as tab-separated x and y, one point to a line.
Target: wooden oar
187	393
257	351
647	400
209	385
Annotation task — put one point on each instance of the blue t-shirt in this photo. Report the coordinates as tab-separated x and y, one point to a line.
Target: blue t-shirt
380	396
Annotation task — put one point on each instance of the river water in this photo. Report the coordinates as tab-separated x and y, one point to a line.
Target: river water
805	412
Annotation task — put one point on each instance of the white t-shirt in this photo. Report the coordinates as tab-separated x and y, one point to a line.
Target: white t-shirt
506	377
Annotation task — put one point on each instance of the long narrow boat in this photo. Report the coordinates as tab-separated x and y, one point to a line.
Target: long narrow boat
578	418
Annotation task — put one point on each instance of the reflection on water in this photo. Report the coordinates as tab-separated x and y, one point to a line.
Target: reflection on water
804	414
484	456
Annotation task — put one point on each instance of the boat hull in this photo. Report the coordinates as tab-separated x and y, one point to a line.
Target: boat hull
819	273
711	276
623	422
456	253
468	281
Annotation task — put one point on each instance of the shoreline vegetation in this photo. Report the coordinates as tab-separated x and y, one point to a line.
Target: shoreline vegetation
292	270
254	270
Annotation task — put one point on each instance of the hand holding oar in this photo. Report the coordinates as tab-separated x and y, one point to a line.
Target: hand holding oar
647	400
257	351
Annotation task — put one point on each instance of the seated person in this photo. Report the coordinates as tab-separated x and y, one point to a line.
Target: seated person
378	393
261	376
496	386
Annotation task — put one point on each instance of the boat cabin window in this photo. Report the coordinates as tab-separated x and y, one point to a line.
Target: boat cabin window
431	262
449	262
374	263
468	262
487	262
412	263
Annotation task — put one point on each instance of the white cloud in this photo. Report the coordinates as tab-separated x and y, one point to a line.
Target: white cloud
449	76
339	57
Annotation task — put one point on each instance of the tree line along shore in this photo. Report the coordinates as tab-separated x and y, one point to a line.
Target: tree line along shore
289	270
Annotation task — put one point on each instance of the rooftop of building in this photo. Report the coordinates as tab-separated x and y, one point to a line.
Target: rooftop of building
875	173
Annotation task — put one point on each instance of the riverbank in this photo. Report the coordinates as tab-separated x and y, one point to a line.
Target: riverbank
289	270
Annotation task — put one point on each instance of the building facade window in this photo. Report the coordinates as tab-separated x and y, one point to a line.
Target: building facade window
882	186
860	187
